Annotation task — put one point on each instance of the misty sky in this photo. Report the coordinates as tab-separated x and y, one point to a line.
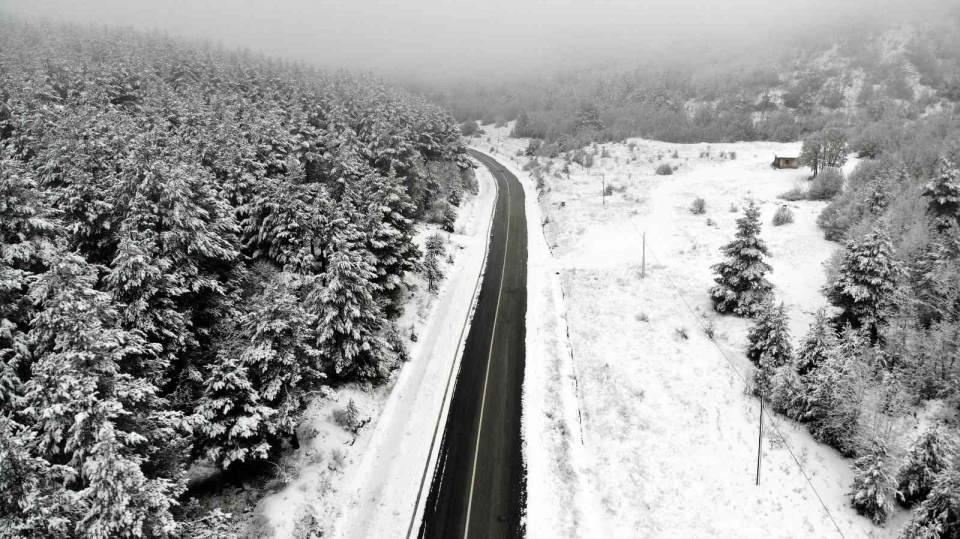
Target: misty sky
434	38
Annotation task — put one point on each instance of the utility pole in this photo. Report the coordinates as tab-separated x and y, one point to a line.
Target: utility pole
760	441
643	259
603	188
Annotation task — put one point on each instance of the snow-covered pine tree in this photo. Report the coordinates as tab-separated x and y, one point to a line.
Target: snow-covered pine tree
819	340
944	194
33	500
277	222
349	321
931	453
741	283
79	390
873	486
938	516
832	404
177	252
26	246
119	501
432	271
232	422
432	265
865	284
279	359
878	198
788	392
388	226
769	345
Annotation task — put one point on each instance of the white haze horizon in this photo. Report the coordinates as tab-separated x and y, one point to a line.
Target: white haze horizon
446	39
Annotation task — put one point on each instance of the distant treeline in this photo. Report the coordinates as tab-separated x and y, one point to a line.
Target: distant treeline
191	240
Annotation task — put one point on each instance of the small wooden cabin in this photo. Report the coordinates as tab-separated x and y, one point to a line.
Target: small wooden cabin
785	162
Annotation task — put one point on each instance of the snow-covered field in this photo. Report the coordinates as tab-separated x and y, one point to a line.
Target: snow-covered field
366	484
636	423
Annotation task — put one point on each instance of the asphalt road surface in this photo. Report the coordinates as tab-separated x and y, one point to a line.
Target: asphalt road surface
478	488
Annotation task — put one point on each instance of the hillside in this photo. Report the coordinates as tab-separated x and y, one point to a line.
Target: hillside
192	242
852	74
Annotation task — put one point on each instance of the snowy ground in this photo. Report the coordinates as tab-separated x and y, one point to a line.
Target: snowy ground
365	484
669	433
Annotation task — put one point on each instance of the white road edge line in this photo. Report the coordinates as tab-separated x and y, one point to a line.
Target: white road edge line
486	377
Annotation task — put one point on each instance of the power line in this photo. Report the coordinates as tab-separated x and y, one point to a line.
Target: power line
723	354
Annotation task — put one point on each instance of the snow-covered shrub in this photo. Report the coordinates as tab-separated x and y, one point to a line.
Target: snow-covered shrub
930	454
449	218
436	244
709	329
582	158
873	488
664	169
698	206
794	194
827	184
347	417
397	344
783	216
470	128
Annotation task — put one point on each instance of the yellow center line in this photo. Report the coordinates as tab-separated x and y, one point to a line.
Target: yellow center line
486	377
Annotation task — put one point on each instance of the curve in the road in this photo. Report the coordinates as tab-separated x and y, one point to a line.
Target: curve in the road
478	487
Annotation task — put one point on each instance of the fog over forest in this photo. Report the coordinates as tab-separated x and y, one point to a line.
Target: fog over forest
435	39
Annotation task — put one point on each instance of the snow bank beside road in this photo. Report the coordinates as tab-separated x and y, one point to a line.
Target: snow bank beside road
559	501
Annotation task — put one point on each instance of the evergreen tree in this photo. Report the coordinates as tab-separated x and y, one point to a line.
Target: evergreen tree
935	276
279	359
90	414
864	287
388	227
931	453
119	501
832	404
234	425
788	393
769	345
432	271
349	322
944	194
818	342
939	514
878	198
741	284
26	246
873	485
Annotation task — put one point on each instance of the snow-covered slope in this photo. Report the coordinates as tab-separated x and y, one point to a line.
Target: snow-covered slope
670	433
